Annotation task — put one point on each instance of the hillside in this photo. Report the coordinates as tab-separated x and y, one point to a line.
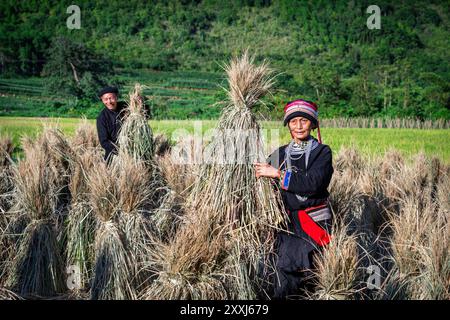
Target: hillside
324	49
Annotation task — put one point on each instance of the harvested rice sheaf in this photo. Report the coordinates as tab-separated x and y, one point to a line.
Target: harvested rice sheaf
36	268
136	136
121	198
85	137
238	213
81	220
125	195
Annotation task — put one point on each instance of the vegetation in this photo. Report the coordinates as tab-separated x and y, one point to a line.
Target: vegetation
324	49
369	141
391	215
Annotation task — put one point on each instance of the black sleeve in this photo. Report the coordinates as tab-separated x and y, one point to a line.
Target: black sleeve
312	181
103	136
275	158
147	110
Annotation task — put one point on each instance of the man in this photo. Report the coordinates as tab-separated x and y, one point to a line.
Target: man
110	120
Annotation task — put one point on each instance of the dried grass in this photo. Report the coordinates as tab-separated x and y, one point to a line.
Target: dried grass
337	267
85	136
36	267
136	136
112	265
228	207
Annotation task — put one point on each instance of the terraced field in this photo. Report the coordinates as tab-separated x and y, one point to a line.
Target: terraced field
172	95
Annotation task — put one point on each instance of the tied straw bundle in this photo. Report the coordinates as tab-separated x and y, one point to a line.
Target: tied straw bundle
222	250
124	197
35	266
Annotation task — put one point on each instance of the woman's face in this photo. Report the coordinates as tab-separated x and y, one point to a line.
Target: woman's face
300	128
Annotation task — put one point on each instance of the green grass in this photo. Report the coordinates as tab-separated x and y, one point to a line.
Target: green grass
370	142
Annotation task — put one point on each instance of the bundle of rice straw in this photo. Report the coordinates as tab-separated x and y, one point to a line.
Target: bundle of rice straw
85	136
60	156
111	271
6	183
6	294
122	200
81	222
134	189
136	136
35	266
222	250
136	140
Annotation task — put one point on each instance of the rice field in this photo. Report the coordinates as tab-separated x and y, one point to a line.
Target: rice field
149	226
368	141
392	216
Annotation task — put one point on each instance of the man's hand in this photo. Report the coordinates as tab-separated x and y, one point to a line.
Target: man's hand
266	170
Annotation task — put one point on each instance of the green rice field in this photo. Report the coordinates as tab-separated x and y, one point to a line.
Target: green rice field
369	141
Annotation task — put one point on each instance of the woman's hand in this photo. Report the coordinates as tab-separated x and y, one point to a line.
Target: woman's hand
266	170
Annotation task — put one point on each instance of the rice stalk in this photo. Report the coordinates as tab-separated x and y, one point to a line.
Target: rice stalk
85	136
228	200
112	266
337	267
135	136
36	269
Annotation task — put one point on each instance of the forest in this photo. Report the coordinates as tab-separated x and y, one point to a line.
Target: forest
322	50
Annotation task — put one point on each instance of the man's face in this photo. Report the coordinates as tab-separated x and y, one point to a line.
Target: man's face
110	100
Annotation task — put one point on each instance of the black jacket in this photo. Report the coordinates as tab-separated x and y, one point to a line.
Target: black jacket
311	183
108	126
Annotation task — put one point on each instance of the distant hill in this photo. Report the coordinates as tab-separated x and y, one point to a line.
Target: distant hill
324	48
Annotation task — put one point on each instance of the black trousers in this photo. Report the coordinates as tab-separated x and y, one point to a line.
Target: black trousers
295	261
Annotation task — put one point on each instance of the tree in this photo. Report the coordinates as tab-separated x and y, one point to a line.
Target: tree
73	69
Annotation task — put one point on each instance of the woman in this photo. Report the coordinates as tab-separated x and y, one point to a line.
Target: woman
303	169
